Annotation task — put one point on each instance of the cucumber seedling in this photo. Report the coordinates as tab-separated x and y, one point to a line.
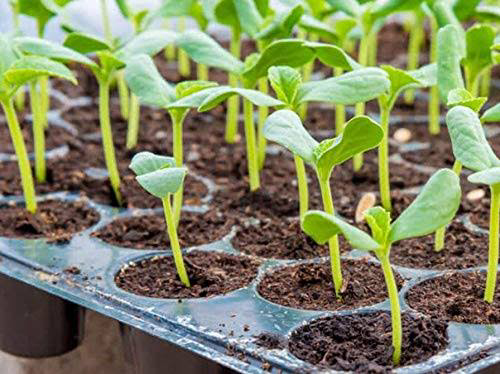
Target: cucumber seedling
360	134
147	83
472	150
110	61
160	176
15	71
435	206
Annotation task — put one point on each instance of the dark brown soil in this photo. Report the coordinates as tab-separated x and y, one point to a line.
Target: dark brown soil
361	343
310	286
281	239
270	340
452	368
463	249
149	231
456	297
54	220
87	83
210	274
479	210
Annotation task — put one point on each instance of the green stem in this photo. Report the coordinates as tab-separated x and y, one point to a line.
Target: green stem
486	82
133	122
397	330
179	160
357	160
19	99
22	156
416	34
307	71
339	110
472	82
107	138
373	49
383	160
302	184
457	167
169	49
434	126
123	94
202	72
491	278
263	113
105	23
233	103
333	243
38	132
184	65
174	241
252	161
44	99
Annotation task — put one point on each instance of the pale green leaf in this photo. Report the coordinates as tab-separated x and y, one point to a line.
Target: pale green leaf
489	176
333	56
316	27
148	42
460	96
255	97
349	7
187	88
379	221
492	114
85	43
383	9
285	82
147	162
479	40
449	73
282	24
162	182
28	68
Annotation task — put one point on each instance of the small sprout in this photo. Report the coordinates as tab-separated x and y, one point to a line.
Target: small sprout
360	134
434	207
366	202
159	176
472	150
402	135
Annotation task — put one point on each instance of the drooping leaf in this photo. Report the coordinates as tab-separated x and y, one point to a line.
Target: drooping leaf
148	42
322	226
469	143
492	114
40	10
147	162
27	68
285	128
356	86
186	88
449	73
479	40
360	134
196	99
333	56
147	83
434	207
249	16
425	75
204	50
162	182
489	176
85	43
460	96
400	80
237	14
285	82
255	97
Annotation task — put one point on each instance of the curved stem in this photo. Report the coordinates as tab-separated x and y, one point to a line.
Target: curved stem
233	103
383	161
397	330
491	278
133	122
263	113
123	94
302	185
333	243
434	126
184	64
339	109
21	154
174	242
107	139
251	145
38	133
179	159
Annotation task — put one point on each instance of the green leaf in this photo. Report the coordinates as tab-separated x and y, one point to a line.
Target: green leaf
27	68
343	27
322	226
460	96
425	75
147	162
488	13
316	27
349	7
196	99
8	55
464	9
174	8
492	114
434	207
109	62
41	10
45	48
249	16
123	6
489	176
443	11
333	56
400	80
285	82
285	52
85	43
356	86
469	143
449	73
360	134
393	6
161	183
204	50
282	24
379	221
187	88
479	40
255	97
147	83
148	42
285	128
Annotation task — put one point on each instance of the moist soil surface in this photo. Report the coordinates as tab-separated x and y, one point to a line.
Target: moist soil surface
310	286
150	232
210	274
455	297
463	249
361	343
281	239
55	220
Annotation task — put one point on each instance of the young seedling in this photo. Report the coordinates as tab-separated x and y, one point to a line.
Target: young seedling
147	83
110	61
471	148
435	206
160	176
360	134
15	71
44	48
